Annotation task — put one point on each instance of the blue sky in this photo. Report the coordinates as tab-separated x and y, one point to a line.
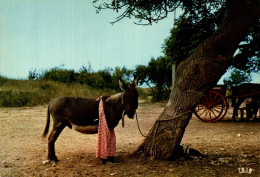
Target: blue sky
41	34
45	34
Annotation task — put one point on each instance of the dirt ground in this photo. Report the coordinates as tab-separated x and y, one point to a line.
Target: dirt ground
230	148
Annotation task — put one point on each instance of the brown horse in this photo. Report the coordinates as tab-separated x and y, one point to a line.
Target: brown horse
252	106
241	92
82	115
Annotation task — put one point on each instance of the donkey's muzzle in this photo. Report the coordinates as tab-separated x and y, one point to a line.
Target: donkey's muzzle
130	114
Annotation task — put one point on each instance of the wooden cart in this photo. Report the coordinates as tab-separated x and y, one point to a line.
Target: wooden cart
214	106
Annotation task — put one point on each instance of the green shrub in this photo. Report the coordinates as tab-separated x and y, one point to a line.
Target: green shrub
106	78
60	75
14	99
95	80
158	76
3	80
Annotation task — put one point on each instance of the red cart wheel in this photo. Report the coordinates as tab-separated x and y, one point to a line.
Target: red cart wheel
212	108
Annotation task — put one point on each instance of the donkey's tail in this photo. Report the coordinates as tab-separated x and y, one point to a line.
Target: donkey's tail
45	132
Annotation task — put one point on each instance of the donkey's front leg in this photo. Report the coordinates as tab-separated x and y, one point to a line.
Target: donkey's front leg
51	143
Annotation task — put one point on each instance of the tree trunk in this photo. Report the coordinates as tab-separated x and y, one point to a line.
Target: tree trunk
196	76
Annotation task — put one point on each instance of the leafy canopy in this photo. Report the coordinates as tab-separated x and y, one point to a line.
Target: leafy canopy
200	19
190	29
237	77
198	23
142	10
152	11
157	75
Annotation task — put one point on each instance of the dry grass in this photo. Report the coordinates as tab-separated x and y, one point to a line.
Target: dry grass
17	93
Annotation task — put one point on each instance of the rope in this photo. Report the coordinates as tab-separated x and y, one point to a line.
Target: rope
123	119
175	116
160	120
139	126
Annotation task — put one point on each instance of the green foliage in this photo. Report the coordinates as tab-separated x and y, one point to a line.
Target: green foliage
193	27
237	77
142	73
106	78
197	23
248	56
200	19
95	80
47	85
10	98
157	73
23	93
33	74
153	11
142	10
2	80
60	75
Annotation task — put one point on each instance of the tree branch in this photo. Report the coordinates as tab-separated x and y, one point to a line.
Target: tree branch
152	12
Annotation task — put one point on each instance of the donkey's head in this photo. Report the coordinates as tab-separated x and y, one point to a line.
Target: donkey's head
130	97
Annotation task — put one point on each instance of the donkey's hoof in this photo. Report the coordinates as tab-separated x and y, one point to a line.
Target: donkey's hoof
49	162
52	162
46	162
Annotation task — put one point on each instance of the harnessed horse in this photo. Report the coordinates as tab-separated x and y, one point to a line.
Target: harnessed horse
240	93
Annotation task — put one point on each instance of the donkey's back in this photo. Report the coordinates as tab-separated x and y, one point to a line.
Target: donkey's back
74	112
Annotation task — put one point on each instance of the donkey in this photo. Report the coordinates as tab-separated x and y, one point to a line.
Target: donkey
81	114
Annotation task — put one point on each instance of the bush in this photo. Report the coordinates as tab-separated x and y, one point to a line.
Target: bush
106	78
17	99
60	75
3	80
158	76
95	80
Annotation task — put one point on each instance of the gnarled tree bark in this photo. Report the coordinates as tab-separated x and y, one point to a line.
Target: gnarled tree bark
196	76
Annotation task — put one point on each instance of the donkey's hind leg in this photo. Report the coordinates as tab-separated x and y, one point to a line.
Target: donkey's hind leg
236	106
57	129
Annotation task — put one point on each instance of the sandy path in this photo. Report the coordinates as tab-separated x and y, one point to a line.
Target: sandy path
228	145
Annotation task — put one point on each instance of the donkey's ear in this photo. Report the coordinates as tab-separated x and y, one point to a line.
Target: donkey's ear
122	85
135	81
